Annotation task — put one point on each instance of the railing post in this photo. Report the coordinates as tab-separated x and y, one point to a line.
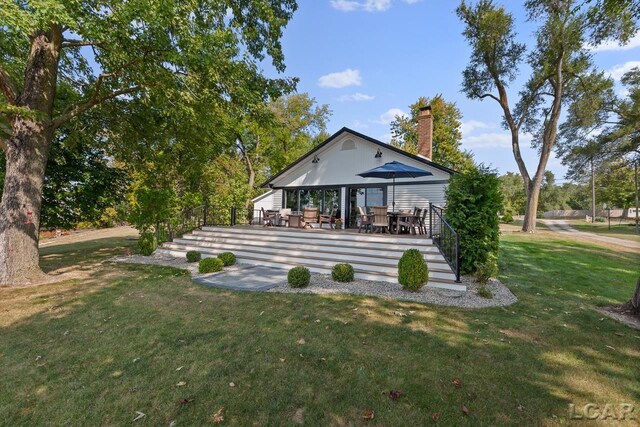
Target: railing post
430	221
206	214
233	216
457	257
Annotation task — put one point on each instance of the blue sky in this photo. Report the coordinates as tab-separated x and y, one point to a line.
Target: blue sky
370	59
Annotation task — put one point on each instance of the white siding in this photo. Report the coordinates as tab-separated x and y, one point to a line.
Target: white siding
410	196
340	161
265	201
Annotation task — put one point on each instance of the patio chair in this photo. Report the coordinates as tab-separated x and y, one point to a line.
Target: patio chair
406	222
309	216
380	219
422	222
268	219
365	220
328	219
284	216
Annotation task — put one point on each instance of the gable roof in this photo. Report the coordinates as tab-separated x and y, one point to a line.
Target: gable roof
366	138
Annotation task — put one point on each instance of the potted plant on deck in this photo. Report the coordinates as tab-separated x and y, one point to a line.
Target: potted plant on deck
338	224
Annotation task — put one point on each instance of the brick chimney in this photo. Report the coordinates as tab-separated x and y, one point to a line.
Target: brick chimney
425	133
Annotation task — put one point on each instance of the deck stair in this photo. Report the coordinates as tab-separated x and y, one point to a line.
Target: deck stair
373	257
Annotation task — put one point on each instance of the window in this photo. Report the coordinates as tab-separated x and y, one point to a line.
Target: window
324	200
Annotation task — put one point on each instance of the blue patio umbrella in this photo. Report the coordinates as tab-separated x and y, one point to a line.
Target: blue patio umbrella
393	170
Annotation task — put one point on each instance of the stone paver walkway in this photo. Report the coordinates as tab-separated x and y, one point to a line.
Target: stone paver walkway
562	227
247	278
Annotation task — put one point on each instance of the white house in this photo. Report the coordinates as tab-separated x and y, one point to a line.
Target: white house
327	176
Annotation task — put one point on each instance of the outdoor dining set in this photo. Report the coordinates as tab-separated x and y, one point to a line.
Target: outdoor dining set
375	219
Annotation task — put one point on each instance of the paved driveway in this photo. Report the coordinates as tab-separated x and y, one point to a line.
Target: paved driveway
245	278
562	227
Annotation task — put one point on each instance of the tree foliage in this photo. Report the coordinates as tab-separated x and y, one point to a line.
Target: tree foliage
473	203
561	71
447	138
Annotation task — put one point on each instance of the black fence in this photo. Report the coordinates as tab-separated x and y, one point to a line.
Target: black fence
445	238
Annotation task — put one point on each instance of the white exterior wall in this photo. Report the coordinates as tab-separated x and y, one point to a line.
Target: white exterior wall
268	201
410	196
340	167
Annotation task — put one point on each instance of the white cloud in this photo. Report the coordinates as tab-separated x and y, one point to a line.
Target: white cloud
471	125
390	115
366	5
356	97
340	79
357	124
618	71
613	46
494	140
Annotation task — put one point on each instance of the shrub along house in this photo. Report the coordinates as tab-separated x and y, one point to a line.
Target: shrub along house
327	176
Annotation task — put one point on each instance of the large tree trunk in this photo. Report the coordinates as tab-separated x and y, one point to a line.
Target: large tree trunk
531	209
21	203
635	299
26	158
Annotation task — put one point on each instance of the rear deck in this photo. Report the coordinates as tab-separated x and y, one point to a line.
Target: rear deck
373	256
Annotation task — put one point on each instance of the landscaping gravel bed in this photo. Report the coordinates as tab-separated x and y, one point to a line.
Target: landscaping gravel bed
323	284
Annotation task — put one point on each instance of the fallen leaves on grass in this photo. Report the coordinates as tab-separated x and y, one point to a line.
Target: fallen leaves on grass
181	384
395	394
218	416
436	416
179	368
456	382
368	415
520	407
187	400
465	411
232	384
139	416
301	341
298	416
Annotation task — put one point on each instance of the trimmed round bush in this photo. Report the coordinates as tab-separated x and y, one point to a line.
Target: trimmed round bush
299	277
413	273
147	243
193	256
210	265
228	258
342	273
507	218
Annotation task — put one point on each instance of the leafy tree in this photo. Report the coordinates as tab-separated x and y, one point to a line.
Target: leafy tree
473	203
560	66
446	133
514	197
189	56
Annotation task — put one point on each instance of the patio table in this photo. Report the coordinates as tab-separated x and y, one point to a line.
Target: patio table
394	218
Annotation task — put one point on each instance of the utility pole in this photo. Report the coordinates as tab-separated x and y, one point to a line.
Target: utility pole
593	193
636	180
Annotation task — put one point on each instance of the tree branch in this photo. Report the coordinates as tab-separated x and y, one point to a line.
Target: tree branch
489	95
78	43
8	87
84	106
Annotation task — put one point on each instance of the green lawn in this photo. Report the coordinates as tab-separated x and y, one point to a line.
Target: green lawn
95	350
620	230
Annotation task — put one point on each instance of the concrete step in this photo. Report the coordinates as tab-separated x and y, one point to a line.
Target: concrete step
311	246
390	245
315	268
438	271
330	235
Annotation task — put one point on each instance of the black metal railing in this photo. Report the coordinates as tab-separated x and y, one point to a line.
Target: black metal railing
445	238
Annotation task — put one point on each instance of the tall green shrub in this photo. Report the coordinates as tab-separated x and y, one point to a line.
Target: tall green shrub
473	203
413	273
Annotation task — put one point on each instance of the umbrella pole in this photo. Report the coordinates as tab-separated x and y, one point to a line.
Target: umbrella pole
393	204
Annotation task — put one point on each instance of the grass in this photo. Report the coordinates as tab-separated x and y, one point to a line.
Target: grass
95	350
620	230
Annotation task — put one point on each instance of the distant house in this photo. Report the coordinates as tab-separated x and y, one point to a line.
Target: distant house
326	177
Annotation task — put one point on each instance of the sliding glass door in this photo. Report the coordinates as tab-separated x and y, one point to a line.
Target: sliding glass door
364	197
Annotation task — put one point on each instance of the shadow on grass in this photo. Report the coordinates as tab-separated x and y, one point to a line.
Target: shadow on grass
120	340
